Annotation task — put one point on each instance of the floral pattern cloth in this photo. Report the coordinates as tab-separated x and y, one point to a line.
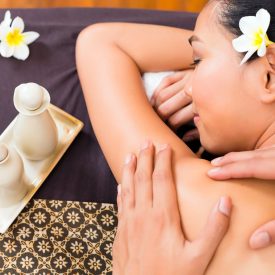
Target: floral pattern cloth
60	237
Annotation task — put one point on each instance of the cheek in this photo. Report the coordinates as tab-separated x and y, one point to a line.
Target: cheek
211	86
215	101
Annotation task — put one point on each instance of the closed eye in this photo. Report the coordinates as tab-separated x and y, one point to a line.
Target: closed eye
195	63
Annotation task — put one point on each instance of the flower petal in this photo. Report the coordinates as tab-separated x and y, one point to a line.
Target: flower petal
6	50
249	25
248	55
242	43
21	52
7	18
4	31
262	50
18	23
263	17
29	37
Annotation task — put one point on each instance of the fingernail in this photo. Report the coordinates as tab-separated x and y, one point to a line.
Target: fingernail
128	158
216	161
261	239
214	171
225	206
119	189
145	145
163	147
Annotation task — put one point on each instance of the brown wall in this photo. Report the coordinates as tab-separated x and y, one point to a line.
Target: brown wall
190	5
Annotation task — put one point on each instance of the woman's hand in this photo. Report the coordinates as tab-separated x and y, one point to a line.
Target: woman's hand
149	238
250	164
172	103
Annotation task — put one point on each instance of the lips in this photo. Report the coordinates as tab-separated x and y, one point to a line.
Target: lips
196	117
194	110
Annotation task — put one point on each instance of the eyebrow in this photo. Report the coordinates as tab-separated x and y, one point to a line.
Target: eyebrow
194	38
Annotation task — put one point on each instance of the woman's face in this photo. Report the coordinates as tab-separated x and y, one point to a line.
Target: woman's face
224	93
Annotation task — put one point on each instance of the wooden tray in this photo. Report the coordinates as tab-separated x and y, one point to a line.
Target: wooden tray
37	171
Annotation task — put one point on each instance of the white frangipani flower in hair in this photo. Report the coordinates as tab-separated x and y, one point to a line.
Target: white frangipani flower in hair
254	37
14	42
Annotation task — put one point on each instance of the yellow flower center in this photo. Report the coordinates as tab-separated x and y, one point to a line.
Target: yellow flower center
258	38
14	37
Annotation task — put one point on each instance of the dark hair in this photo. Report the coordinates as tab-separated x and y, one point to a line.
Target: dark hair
233	10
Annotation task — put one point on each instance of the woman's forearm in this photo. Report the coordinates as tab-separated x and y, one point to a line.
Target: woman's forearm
152	47
120	113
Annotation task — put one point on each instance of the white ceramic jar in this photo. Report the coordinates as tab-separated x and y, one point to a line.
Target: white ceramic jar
12	185
35	133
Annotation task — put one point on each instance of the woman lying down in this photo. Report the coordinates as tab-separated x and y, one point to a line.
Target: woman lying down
233	101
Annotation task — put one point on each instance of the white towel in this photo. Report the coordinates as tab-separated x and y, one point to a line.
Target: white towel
151	81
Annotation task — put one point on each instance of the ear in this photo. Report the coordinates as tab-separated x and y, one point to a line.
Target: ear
269	95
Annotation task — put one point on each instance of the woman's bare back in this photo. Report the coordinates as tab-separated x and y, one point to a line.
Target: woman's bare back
253	205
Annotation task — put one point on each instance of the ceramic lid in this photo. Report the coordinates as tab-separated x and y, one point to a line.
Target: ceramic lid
30	98
4	152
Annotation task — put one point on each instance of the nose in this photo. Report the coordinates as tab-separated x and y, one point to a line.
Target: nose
188	90
189	87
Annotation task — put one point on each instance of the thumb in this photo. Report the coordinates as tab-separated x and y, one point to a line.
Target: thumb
214	231
264	236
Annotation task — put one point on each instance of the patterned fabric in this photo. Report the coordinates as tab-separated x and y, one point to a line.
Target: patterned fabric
60	237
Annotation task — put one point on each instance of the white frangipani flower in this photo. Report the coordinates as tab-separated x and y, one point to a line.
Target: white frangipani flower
254	38
14	42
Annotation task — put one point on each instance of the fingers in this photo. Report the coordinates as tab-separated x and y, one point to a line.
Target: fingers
216	228
173	104
233	157
164	92
143	176
266	152
249	164
126	196
181	117
264	236
262	168
167	92
166	82
164	189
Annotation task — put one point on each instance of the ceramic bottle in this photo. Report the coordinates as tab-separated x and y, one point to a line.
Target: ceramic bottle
12	185
35	133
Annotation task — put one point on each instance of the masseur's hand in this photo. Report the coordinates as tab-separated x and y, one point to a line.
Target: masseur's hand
171	102
149	238
250	164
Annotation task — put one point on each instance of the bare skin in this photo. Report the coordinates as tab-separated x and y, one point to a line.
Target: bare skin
122	103
250	164
172	104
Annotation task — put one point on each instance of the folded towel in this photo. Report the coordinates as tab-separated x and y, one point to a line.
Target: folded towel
151	80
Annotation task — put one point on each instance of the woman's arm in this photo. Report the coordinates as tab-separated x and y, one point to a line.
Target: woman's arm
110	57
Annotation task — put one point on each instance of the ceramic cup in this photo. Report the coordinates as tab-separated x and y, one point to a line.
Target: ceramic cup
12	185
